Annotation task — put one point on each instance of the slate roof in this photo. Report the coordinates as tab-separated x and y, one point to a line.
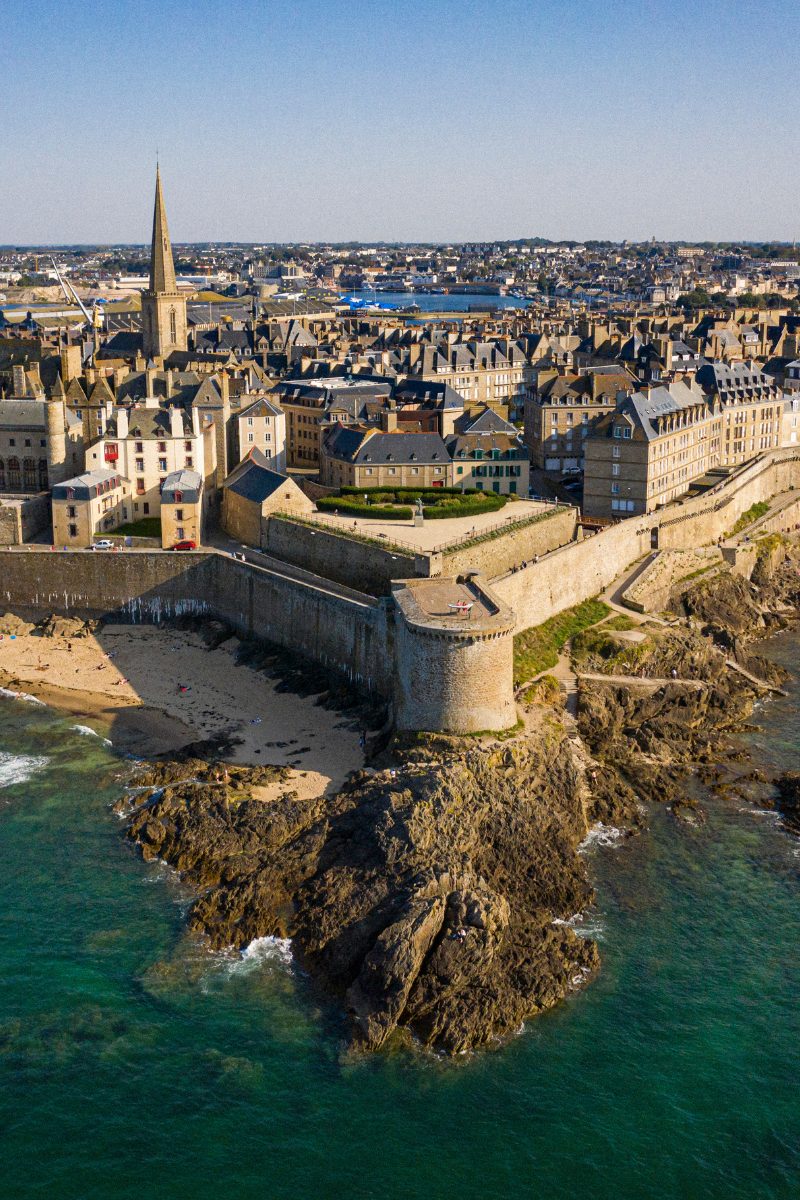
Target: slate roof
490	422
254	479
185	481
87	485
366	446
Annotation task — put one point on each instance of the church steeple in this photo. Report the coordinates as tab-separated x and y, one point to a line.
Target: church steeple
163	306
162	268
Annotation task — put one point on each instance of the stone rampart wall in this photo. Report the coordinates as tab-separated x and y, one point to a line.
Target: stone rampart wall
500	553
350	638
663	577
707	518
21	519
573	573
365	566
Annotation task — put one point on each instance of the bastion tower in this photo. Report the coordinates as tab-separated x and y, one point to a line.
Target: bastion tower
163	307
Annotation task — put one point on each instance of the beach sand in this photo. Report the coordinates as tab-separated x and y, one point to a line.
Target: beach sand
124	682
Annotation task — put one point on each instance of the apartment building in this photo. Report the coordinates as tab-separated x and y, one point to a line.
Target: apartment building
92	503
362	457
650	450
262	426
145	445
752	407
483	373
563	409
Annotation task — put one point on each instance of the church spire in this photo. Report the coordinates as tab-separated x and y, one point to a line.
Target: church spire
162	268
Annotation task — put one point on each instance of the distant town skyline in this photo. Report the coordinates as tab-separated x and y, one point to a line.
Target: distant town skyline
276	122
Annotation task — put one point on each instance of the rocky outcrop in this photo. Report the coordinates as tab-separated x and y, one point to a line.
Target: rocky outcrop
423	895
788	800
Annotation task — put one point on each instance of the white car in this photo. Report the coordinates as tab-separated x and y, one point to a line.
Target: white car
103	544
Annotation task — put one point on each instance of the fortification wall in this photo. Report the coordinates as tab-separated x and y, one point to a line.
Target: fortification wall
21	518
344	635
573	573
363	565
706	518
664	576
500	553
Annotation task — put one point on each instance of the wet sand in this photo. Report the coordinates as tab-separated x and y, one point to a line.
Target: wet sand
125	681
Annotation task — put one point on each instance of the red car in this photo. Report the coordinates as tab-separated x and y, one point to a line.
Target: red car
186	544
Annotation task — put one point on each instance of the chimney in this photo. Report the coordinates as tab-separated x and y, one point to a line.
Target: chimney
225	387
175	422
19	384
122	423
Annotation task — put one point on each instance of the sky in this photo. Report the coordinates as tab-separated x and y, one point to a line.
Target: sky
401	120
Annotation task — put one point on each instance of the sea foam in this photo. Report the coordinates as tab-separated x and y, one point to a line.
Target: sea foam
26	697
18	768
601	835
264	950
89	732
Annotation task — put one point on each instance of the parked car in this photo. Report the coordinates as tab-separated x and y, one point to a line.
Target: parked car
186	544
103	544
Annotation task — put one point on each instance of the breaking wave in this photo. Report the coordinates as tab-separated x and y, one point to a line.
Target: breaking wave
601	835
273	950
18	768
88	732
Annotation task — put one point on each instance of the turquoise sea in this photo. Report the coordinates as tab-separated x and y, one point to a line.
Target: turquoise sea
133	1065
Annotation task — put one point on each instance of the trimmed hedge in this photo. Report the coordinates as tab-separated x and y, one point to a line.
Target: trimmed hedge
349	507
471	506
407	492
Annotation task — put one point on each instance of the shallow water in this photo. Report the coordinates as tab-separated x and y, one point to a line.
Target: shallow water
133	1064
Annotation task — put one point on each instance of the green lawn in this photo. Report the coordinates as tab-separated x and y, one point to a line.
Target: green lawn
537	649
144	527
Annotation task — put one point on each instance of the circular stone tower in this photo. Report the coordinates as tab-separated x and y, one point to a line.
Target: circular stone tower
453	656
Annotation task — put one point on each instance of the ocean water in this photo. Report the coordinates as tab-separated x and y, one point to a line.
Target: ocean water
132	1064
434	302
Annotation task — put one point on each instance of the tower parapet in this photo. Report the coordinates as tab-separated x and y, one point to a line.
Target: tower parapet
453	656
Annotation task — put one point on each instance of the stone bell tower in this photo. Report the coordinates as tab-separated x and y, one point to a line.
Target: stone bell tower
163	307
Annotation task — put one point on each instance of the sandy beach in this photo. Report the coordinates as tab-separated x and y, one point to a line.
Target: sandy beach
126	682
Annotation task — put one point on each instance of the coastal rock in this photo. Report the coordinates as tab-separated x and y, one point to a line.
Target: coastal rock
788	801
423	894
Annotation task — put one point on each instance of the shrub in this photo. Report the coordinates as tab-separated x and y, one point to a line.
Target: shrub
349	507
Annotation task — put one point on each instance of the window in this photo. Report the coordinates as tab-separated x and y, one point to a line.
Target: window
250	421
162	464
615	489
617	431
250	437
615	469
70	510
187	447
178	514
162	447
27	441
626	433
140	464
146	508
73	530
616	451
139	487
189	461
138	447
180	533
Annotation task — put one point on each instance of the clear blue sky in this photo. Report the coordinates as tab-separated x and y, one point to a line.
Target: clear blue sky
400	119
